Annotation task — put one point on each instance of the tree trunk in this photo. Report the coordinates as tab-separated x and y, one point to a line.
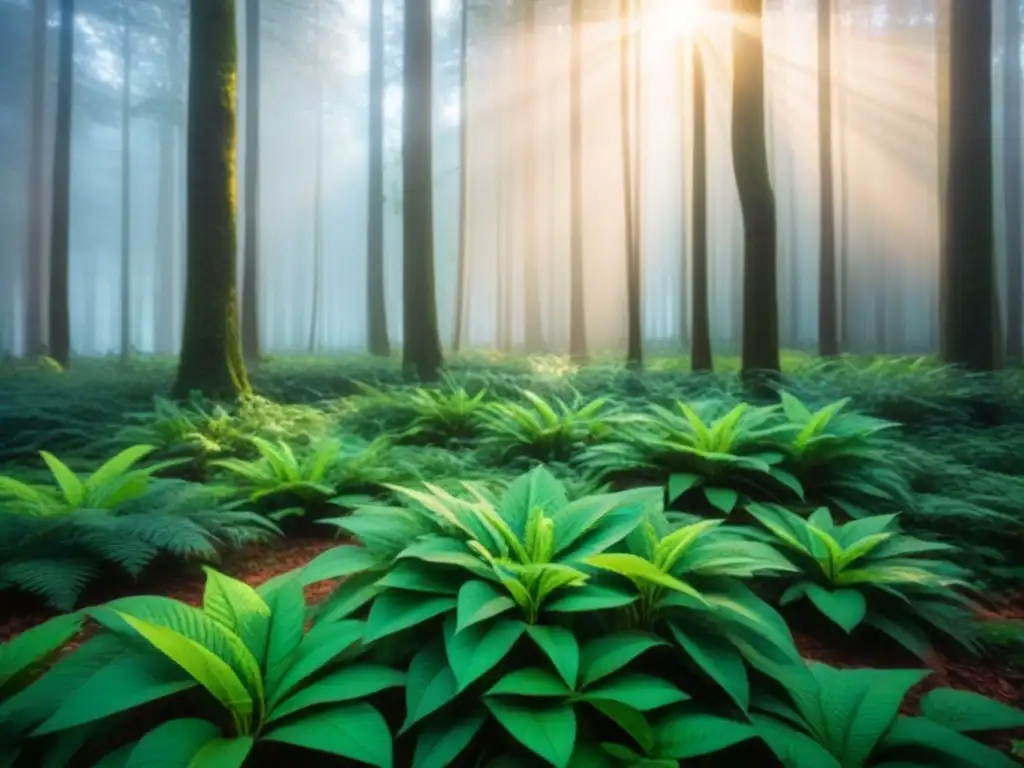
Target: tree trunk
793	250
34	256
969	256
760	347
943	53
126	183
421	351
59	312
251	246
844	207
577	294
1012	181
634	343
828	331
463	265
318	188
211	352
168	197
533	328
700	345
685	307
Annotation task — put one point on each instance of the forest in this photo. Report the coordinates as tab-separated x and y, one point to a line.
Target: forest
511	383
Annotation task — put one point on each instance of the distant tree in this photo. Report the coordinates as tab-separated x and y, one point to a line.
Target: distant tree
251	180
421	351
36	206
376	305
211	353
315	310
577	294
634	344
971	327
943	13
700	343
828	330
533	328
1012	180
59	310
126	183
760	345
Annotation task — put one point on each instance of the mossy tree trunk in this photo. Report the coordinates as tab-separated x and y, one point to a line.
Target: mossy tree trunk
700	343
760	344
577	293
211	352
828	326
969	258
421	350
251	246
59	311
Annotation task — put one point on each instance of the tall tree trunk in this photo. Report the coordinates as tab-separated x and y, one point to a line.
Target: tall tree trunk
502	319
760	348
685	307
1012	181
700	345
634	343
638	157
211	351
126	183
828	332
577	294
59	311
844	209
34	256
463	265
793	249
969	256
943	55
421	351
251	246
168	194
533	328
318	188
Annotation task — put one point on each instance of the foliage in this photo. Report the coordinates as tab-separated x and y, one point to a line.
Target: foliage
195	428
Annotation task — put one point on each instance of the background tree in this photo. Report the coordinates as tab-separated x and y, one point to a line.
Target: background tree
1012	180
577	295
126	184
700	344
828	333
251	246
634	316
36	207
376	305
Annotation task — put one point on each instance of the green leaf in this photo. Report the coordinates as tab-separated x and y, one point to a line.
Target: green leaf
629	720
642	573
355	682
845	607
337	563
640	692
560	646
441	742
172	744
549	732
238	608
393	612
116	759
610	653
793	748
966	711
429	685
285	631
355	731
34	646
591	597
537	488
71	486
920	733
722	499
680	483
223	753
684	735
477	650
125	684
349	597
718	659
532	681
479	601
324	644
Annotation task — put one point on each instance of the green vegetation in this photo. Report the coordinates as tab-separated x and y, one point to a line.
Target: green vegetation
542	565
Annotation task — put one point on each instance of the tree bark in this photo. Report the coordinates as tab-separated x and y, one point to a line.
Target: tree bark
760	344
700	345
251	246
421	352
1012	181
35	256
126	183
943	43
577	294
211	353
463	265
59	311
828	332
634	343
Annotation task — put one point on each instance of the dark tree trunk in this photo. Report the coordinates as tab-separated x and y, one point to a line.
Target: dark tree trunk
685	307
251	252
1012	165
844	213
35	256
793	251
577	294
168	196
533	327
463	265
59	312
700	346
211	352
969	256
943	54
828	331
126	183
634	343
421	350
760	347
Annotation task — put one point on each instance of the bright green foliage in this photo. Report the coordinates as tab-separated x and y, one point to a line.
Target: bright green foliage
195	428
850	718
868	572
116	482
444	414
546	430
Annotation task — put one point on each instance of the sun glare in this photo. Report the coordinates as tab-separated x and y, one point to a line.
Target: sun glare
680	15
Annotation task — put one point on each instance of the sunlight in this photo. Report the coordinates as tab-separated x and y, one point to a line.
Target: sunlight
678	15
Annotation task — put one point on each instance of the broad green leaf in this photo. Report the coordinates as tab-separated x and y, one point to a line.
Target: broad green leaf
845	607
479	601
441	742
604	655
718	659
615	525
966	711
223	753
532	681
415	576
537	488
172	744
355	731
722	499
320	647
349	597
116	759
355	682
393	612
685	735
23	652
285	630
922	734
445	551
590	597
560	646
429	685
630	720
547	731
477	650
238	608
638	691
337	563
793	748
71	485
680	483
642	573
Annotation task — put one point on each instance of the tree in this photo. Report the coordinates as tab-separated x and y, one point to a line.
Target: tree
318	184
828	331
376	306
577	306
760	345
943	13
36	207
211	353
533	329
700	343
970	317
251	252
126	183
1012	180
59	311
634	343
421	351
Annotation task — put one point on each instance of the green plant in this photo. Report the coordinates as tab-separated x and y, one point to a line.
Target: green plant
546	430
116	482
196	428
868	572
850	718
444	414
724	459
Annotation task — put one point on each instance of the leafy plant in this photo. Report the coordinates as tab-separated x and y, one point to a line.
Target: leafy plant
868	572
196	428
850	718
445	414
